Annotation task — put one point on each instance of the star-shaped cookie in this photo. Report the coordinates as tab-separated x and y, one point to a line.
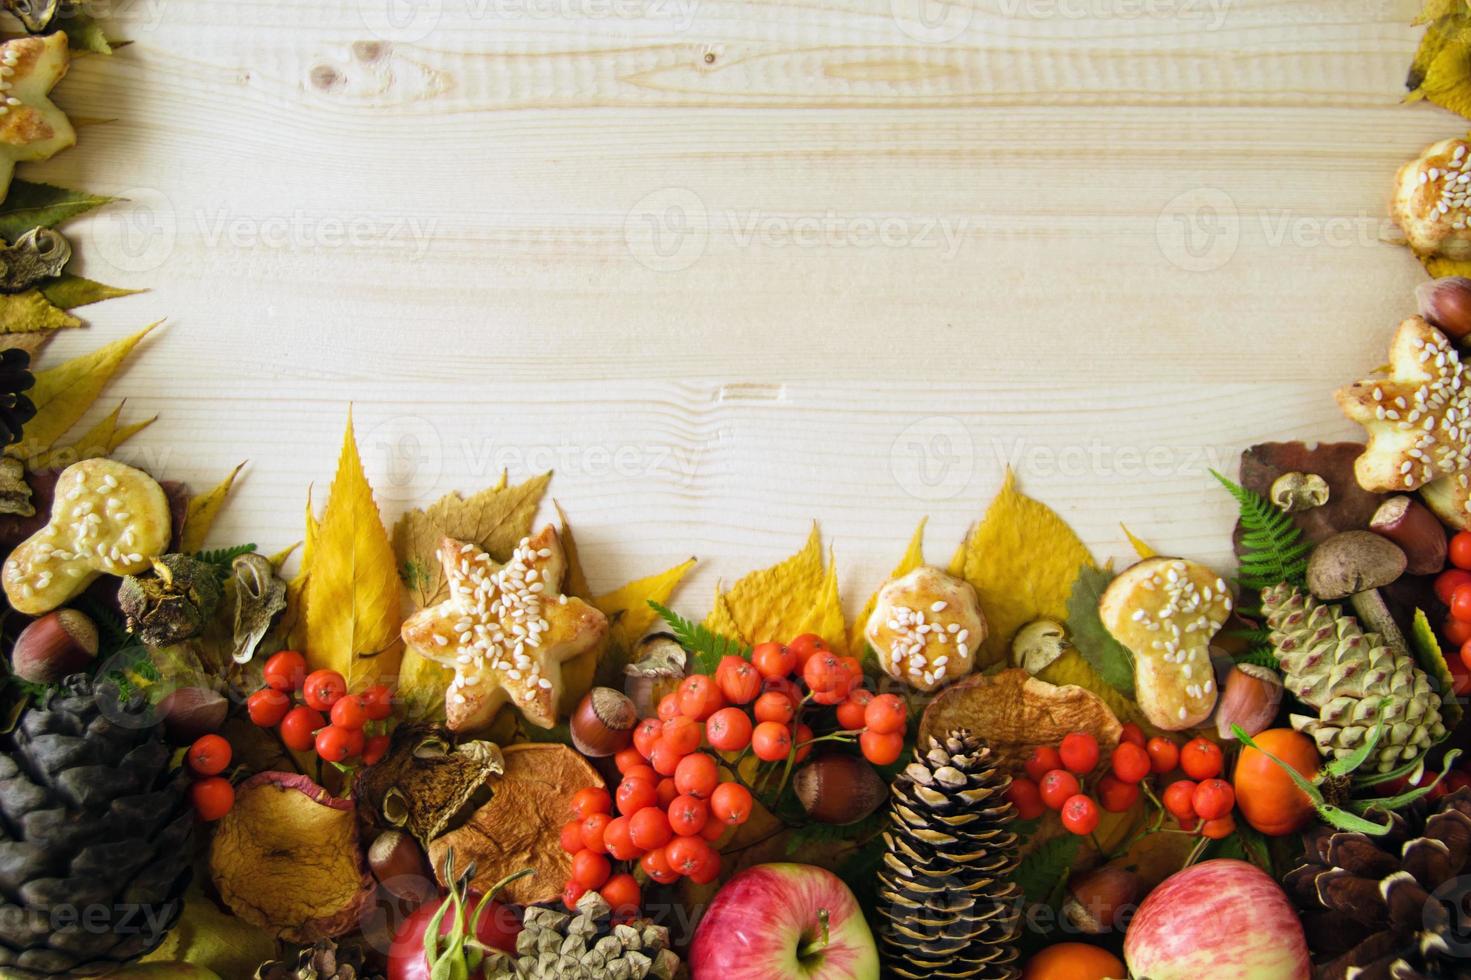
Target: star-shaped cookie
1417	416
505	630
31	125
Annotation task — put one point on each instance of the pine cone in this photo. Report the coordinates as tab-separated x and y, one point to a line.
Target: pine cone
1391	906
949	907
1330	664
553	945
326	960
16	409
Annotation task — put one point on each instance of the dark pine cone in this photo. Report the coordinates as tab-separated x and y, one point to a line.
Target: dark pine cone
15	380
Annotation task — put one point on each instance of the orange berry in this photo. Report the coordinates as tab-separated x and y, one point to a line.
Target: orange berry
881	748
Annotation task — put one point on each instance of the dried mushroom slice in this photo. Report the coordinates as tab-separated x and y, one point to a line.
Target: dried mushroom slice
106	518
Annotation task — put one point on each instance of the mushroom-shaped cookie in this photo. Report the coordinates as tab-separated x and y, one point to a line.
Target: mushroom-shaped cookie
505	630
1165	611
105	518
1431	194
926	628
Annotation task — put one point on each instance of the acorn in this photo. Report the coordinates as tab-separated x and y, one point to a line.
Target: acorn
398	863
603	723
839	788
60	643
1102	900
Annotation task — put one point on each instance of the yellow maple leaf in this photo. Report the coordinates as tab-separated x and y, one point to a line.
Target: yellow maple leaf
63	394
912	558
202	511
1022	559
792	597
31	311
494	519
100	440
352	589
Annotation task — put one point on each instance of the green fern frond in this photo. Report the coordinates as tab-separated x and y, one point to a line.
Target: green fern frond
705	646
1261	655
222	557
1272	548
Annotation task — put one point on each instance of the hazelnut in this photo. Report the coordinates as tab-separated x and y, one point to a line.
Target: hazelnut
603	722
839	788
398	863
1296	492
1250	698
1101	900
1353	561
60	643
1409	524
1445	304
1037	645
189	712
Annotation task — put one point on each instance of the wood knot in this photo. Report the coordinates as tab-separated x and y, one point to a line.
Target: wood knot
325	76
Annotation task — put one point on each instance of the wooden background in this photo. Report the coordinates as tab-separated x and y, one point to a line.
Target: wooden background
728	267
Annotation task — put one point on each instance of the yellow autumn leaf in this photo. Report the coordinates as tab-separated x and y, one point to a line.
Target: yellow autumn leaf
293	621
494	519
792	597
1141	547
1439	266
422	684
31	311
63	394
352	588
912	558
1072	668
629	618
1441	70
576	578
202	511
1022	559
100	440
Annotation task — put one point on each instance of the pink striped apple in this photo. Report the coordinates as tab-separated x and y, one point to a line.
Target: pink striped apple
1217	920
784	922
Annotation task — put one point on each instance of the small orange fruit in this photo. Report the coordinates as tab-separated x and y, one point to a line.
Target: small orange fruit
1265	794
1074	961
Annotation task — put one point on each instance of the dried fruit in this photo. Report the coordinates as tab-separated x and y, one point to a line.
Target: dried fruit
287	858
521	825
1013	712
172	602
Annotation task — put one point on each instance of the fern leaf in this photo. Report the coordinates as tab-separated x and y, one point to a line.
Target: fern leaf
222	557
1272	548
1261	655
705	646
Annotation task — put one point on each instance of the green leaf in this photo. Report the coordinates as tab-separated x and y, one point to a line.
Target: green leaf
1261	655
209	938
1428	654
222	557
69	292
29	205
1043	872
705	646
1107	656
1272	548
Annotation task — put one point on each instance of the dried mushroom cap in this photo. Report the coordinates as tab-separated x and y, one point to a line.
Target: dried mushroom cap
1295	492
172	602
1354	561
657	655
1038	644
521	825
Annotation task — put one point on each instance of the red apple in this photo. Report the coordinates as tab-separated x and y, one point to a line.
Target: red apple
784	922
1217	920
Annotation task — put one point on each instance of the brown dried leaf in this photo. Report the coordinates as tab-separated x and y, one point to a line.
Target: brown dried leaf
1014	712
521	825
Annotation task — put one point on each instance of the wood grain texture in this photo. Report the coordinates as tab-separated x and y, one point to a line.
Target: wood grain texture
730	267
